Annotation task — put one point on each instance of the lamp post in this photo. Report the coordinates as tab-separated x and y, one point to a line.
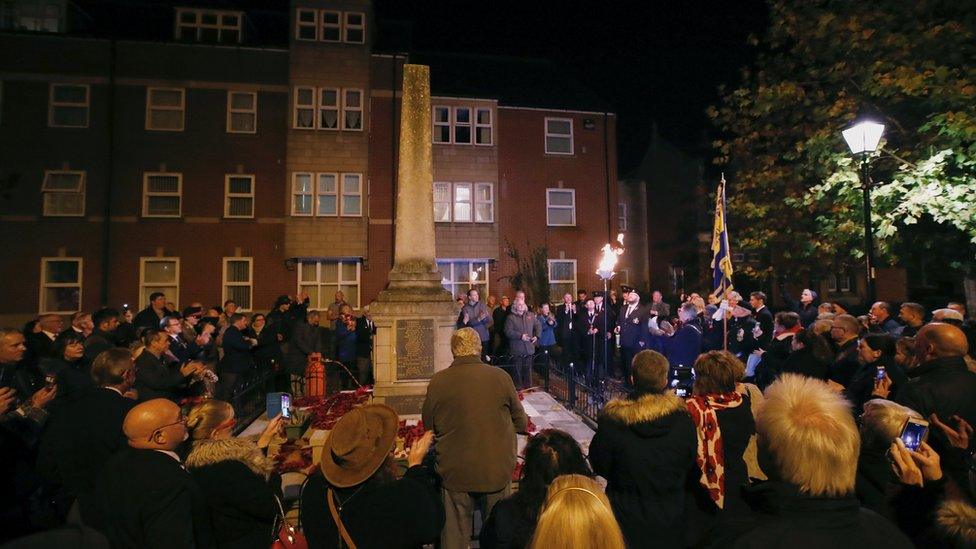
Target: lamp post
863	139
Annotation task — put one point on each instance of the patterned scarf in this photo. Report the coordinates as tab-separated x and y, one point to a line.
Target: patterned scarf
711	452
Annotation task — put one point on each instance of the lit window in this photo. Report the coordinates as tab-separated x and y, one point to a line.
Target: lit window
239	201
64	193
331	26
304	107
322	279
442	202
165	108
352	194
328	199
464	202
559	136
560	207
484	203
482	124
162	194
562	277
302	194
306	25
242	112
442	124
460	275
237	283
329	108
462	125
200	25
328	194
622	217
60	285
355	28
352	110
159	274
68	106
36	16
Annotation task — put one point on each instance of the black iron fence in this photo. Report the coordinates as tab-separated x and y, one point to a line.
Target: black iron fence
250	401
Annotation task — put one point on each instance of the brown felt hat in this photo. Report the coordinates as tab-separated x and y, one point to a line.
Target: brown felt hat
358	444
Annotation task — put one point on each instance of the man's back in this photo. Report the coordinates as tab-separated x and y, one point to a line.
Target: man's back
475	413
154	379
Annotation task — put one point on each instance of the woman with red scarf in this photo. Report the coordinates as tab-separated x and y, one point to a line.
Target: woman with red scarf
724	423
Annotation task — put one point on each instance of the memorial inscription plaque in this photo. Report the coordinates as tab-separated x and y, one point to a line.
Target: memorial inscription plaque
415	348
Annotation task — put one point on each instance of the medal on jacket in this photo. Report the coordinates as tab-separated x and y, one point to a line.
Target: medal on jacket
636	320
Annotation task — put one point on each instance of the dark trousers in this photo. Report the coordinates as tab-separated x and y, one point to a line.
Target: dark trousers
522	371
626	359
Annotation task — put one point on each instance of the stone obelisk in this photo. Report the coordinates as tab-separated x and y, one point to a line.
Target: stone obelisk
414	315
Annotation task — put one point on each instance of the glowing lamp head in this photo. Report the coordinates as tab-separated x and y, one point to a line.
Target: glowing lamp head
864	137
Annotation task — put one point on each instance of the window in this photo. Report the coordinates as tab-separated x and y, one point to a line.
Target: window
352	110
162	194
64	193
321	279
306	25
623	277
560	207
36	16
238	277
68	106
355	30
738	257
622	217
352	194
304	107
323	200
460	275
562	277
839	283
242	112
464	202
60	285
329	108
462	125
331	26
559	136
442	124
197	25
482	125
165	108
159	274
239	196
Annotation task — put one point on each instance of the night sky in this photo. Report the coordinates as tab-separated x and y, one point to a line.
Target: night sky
653	61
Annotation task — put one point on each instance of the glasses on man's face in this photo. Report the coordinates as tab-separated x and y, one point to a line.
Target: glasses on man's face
180	421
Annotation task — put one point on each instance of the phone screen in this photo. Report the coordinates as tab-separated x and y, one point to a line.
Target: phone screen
881	373
914	433
285	406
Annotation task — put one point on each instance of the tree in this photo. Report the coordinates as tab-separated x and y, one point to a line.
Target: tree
823	63
531	273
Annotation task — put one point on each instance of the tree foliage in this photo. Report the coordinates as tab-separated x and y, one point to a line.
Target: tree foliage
909	64
531	272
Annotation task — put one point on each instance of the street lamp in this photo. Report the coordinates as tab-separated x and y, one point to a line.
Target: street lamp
863	138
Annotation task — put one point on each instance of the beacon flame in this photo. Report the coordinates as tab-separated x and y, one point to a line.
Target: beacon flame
609	259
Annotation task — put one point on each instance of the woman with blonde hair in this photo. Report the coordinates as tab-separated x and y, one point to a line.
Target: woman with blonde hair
577	515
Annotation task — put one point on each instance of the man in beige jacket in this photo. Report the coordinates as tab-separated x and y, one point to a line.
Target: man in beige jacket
474	412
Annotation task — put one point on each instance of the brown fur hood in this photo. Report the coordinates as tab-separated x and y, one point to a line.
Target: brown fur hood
209	452
643	409
957	522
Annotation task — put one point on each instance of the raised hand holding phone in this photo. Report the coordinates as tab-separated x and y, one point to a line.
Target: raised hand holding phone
958	437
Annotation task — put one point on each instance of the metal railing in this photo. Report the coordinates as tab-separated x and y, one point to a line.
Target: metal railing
250	401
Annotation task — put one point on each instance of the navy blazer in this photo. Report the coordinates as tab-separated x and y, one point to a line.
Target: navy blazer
683	348
237	352
634	333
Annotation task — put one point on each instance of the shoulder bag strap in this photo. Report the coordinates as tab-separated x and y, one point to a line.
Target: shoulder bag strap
342	527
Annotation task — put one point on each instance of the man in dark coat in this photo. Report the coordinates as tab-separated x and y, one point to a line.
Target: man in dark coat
498	317
103	338
762	315
183	349
143	496
566	336
806	307
844	333
157	375
474	314
151	316
523	330
808	444
365	330
593	341
683	348
645	447
632	327
237	359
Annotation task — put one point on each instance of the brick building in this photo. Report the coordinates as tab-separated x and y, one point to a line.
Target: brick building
241	154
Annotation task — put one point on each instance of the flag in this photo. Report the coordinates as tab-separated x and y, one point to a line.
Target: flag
721	258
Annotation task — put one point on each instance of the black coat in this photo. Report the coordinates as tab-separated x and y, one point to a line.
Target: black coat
155	378
785	518
364	337
405	513
846	363
773	361
234	478
804	362
237	352
144	498
96	343
766	322
862	383
147	318
507	527
565	327
645	448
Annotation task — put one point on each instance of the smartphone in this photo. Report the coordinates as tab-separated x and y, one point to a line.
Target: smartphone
278	403
881	373
681	379
681	392
914	432
50	381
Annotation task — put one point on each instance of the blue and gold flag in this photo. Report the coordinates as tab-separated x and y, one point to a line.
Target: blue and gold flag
721	256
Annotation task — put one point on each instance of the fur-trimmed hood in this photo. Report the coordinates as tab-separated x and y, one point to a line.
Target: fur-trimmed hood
957	522
642	413
210	451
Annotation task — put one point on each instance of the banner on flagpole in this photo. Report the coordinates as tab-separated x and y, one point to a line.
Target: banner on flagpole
721	255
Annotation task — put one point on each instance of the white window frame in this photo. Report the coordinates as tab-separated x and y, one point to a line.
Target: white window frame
296	106
469	125
228	195
337	25
346	26
622	216
294	180
549	206
346	108
299	24
198	25
455	201
474	202
343	194
44	285
82	177
319	193
321	106
490	202
447	124
573	281
231	111
174	296
225	284
490	125
325	301
450	200
146	194
53	104
150	108
456	286
548	134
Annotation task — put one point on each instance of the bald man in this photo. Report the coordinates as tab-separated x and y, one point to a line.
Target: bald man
144	497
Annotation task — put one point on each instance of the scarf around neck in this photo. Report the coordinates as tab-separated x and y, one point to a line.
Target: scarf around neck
711	453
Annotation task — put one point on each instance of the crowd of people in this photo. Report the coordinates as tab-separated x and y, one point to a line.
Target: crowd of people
790	432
